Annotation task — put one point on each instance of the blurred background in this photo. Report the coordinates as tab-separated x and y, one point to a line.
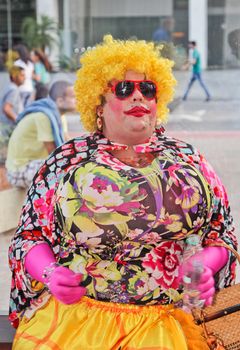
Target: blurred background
64	29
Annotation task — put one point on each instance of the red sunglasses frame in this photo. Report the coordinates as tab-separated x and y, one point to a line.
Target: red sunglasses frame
136	86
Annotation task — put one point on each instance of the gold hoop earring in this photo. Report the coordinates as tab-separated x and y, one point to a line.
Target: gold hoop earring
100	123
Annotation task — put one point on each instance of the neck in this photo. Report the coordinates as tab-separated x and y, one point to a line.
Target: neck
132	158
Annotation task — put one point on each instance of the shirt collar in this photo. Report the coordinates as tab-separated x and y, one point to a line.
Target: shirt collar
152	145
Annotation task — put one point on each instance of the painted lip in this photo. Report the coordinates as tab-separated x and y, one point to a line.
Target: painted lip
137	111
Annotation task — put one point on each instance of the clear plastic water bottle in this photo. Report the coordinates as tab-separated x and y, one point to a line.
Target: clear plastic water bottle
192	273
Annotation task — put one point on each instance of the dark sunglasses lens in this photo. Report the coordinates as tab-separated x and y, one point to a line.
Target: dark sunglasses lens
124	89
148	89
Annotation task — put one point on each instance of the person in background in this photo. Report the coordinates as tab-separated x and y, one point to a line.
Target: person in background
38	132
41	91
165	31
11	102
42	67
195	62
24	61
97	253
10	106
234	42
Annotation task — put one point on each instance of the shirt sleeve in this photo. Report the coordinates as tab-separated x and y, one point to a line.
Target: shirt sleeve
37	223
44	129
195	55
12	97
221	226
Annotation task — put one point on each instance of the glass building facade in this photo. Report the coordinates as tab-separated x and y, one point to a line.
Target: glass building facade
12	13
89	20
83	23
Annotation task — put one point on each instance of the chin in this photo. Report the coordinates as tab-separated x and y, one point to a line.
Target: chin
140	135
143	127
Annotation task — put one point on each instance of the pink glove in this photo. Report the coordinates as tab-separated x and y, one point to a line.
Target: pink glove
213	259
63	283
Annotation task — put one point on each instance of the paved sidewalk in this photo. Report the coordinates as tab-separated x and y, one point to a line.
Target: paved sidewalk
222	84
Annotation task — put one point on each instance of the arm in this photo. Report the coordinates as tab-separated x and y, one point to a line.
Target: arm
219	263
213	260
37	225
192	61
50	146
45	133
221	228
9	111
63	283
36	77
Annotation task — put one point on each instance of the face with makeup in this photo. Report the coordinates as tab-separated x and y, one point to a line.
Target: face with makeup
130	120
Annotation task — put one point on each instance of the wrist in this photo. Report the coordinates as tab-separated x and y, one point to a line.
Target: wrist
216	258
37	259
48	271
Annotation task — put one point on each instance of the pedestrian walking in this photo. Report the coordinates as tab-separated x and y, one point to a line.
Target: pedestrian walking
195	61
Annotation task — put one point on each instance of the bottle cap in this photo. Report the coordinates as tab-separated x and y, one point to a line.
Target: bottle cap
193	240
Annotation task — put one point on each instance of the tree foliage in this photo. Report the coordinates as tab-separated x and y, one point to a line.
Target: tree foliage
40	33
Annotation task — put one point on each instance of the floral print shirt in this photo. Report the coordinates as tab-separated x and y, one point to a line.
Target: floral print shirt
122	227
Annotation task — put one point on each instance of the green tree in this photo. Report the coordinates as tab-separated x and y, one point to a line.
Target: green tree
40	33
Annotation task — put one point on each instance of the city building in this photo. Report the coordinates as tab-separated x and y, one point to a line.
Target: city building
214	24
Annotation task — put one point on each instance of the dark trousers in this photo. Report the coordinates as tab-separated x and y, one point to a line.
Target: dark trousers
196	76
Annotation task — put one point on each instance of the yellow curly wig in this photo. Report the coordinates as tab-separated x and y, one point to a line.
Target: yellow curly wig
110	60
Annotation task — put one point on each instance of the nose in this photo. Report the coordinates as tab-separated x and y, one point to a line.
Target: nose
137	95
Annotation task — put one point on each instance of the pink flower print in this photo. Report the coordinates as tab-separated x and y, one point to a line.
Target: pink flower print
213	180
67	146
76	160
114	163
81	146
99	184
67	152
44	207
152	237
163	264
172	169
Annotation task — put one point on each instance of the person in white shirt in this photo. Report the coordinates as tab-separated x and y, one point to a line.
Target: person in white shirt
24	61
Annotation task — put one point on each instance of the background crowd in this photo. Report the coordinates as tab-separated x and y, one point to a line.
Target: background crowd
29	92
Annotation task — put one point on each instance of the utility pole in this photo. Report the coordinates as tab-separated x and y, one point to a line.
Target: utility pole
9	24
88	24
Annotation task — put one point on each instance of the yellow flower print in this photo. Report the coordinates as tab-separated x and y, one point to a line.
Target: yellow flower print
94	195
170	221
189	197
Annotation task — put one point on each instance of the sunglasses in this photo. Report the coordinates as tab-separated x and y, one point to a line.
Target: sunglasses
125	88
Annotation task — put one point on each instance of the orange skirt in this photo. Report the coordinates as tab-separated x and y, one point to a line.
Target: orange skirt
96	325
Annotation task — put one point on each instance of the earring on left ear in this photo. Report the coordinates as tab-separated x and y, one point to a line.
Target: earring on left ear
99	123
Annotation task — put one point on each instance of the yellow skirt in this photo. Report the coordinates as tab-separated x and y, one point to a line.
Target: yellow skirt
96	325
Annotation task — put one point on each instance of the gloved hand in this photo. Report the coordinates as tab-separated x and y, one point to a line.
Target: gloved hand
63	283
213	259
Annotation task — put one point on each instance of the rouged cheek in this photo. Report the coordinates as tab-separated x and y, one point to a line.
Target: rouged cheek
153	108
116	106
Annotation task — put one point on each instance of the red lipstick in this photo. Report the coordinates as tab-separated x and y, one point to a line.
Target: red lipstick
137	111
